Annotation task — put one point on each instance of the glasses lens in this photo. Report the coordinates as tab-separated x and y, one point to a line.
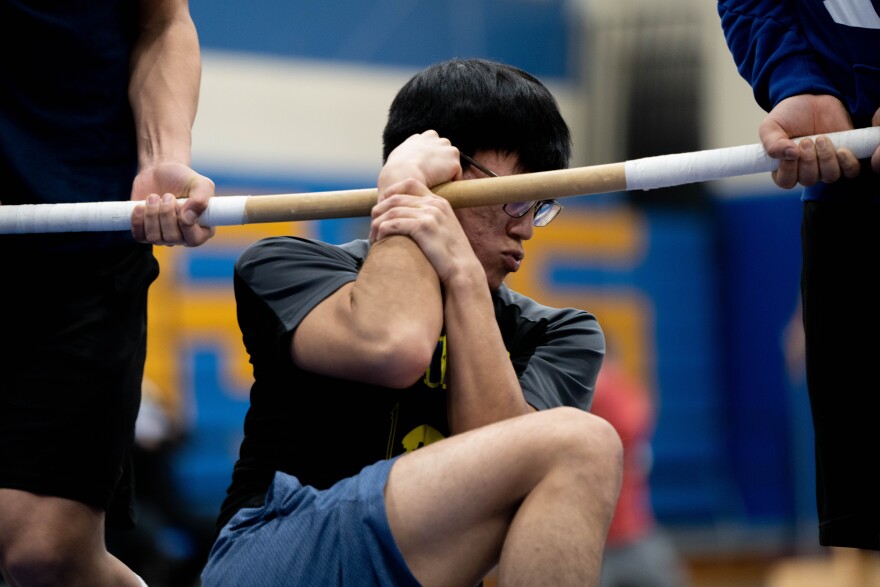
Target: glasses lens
546	212
518	209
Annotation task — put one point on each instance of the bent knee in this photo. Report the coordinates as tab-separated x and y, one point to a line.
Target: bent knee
589	441
586	430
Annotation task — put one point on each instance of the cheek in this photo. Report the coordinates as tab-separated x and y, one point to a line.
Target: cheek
479	227
480	221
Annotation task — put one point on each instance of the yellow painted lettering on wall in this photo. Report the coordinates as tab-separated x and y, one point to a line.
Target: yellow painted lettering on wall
184	313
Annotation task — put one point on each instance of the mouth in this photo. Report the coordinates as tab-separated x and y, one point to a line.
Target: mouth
513	260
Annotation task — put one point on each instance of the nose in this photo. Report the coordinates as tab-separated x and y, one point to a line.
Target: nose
522	227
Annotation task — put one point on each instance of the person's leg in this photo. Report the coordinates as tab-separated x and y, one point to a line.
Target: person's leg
71	391
534	494
53	541
649	561
840	240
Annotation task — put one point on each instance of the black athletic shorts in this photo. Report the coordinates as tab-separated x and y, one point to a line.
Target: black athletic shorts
72	351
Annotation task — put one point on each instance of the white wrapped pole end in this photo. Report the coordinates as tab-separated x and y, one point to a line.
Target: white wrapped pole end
74	217
678	169
104	216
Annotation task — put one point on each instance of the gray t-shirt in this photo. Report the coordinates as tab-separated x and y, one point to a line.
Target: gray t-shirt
322	429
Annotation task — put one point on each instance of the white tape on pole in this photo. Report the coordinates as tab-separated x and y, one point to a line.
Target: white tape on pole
103	216
76	217
669	170
225	211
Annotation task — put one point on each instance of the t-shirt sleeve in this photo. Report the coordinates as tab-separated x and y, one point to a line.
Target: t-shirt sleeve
557	354
279	280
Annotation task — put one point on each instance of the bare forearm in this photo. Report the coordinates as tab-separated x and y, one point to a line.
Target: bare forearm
482	384
380	329
397	292
164	86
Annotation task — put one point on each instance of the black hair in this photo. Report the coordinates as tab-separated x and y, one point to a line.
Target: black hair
482	105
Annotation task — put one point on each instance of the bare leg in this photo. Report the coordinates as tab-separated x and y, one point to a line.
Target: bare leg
534	494
54	541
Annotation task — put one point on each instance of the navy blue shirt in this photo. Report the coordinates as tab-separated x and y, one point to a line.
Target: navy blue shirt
66	125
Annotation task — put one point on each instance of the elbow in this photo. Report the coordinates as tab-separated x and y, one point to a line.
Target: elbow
402	362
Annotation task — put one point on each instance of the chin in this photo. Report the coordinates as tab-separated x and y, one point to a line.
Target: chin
494	284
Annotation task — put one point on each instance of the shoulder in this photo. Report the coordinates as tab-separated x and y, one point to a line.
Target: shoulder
527	325
282	250
512	305
288	276
556	352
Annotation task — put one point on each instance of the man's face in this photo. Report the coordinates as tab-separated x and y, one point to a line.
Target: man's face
496	238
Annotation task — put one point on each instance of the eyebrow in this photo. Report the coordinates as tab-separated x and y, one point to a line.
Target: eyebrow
478	165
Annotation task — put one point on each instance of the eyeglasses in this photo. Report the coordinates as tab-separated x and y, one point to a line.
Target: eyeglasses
545	210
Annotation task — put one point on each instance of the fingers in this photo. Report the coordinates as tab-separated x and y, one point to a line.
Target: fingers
834	163
826	158
779	146
200	193
776	140
156	221
816	161
808	172
807	161
430	222
407	187
849	164
396	214
786	175
426	157
165	220
161	221
875	158
406	213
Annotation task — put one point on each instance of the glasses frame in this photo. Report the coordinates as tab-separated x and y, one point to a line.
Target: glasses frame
545	210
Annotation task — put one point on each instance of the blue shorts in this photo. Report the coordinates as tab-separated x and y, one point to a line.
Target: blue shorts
302	536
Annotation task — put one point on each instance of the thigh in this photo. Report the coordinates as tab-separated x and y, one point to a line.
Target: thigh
453	501
59	526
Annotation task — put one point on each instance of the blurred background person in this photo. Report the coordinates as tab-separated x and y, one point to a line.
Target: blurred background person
170	544
638	552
